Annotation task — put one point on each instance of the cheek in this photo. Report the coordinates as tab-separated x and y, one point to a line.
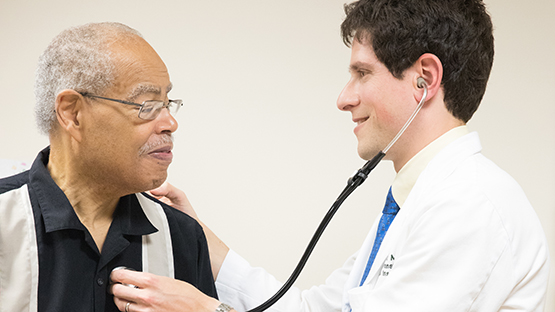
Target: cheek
393	110
114	139
386	115
379	108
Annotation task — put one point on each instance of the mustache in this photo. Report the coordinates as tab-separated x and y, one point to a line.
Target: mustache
158	141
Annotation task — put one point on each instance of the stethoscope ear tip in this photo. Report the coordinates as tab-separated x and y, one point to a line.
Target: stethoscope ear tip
420	82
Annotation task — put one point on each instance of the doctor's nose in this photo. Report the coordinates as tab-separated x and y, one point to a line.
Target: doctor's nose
348	98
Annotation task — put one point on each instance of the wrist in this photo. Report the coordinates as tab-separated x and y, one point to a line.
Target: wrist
224	308
210	305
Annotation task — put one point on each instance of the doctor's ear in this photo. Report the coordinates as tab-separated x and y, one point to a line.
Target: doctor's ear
69	105
427	70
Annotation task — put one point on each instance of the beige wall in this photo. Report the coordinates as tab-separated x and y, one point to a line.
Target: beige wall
262	150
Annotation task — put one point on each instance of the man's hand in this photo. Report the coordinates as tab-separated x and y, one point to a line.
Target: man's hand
174	197
157	293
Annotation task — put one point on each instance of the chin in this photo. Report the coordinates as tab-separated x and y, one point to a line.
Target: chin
147	182
159	179
156	183
366	153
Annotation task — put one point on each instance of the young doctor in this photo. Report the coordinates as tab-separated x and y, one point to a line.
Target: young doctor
457	233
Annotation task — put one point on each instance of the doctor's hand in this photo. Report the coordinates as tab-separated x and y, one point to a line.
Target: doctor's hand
174	197
157	293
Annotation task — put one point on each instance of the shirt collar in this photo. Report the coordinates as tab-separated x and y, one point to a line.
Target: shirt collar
407	176
58	214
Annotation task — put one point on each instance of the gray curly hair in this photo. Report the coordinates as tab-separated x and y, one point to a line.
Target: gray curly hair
79	59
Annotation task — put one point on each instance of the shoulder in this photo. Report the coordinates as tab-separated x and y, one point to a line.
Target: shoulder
188	243
14	182
475	185
478	196
180	223
460	170
460	186
480	177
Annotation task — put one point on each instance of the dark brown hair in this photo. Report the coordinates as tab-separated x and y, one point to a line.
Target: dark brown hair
458	32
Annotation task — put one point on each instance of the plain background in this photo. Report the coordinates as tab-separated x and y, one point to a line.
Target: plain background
262	150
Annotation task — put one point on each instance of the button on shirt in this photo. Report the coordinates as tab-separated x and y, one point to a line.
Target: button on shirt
73	273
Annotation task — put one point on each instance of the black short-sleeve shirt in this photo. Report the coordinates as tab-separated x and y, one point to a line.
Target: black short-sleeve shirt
73	274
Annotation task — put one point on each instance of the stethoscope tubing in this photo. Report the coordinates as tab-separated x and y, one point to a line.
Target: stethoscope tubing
355	181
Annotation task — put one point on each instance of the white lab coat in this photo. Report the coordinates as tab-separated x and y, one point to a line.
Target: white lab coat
466	239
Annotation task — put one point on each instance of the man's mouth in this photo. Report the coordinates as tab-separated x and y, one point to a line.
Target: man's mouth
159	148
162	153
359	121
164	149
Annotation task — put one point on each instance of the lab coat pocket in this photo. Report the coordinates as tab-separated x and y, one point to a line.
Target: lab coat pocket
387	266
382	272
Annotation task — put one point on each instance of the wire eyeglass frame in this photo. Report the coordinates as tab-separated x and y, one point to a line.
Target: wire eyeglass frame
149	109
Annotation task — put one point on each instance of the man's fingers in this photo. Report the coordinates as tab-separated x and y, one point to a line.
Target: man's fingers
130	278
160	191
171	192
123	294
174	197
120	303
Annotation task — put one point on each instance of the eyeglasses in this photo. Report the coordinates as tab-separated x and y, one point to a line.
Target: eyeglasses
149	110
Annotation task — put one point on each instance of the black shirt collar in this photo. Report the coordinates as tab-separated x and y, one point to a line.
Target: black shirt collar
58	213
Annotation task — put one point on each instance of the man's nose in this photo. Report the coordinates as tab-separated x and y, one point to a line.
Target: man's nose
348	98
166	122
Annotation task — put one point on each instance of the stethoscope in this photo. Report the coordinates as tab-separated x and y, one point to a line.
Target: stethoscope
355	181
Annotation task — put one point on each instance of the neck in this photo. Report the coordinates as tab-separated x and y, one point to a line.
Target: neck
93	203
426	128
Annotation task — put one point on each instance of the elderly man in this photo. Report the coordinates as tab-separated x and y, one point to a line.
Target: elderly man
102	98
457	233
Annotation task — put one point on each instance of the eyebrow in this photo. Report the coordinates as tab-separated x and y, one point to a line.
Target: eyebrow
360	65
145	89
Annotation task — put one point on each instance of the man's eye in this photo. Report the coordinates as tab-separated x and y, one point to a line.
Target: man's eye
361	73
147	109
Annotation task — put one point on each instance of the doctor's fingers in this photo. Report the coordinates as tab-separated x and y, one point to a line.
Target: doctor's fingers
174	197
130	306
128	299
132	278
125	293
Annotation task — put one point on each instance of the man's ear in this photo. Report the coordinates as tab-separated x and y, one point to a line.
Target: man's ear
69	109
429	67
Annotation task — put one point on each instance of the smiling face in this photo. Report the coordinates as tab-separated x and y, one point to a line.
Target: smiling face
377	101
121	151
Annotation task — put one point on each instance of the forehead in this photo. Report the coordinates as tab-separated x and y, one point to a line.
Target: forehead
362	53
139	69
364	58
